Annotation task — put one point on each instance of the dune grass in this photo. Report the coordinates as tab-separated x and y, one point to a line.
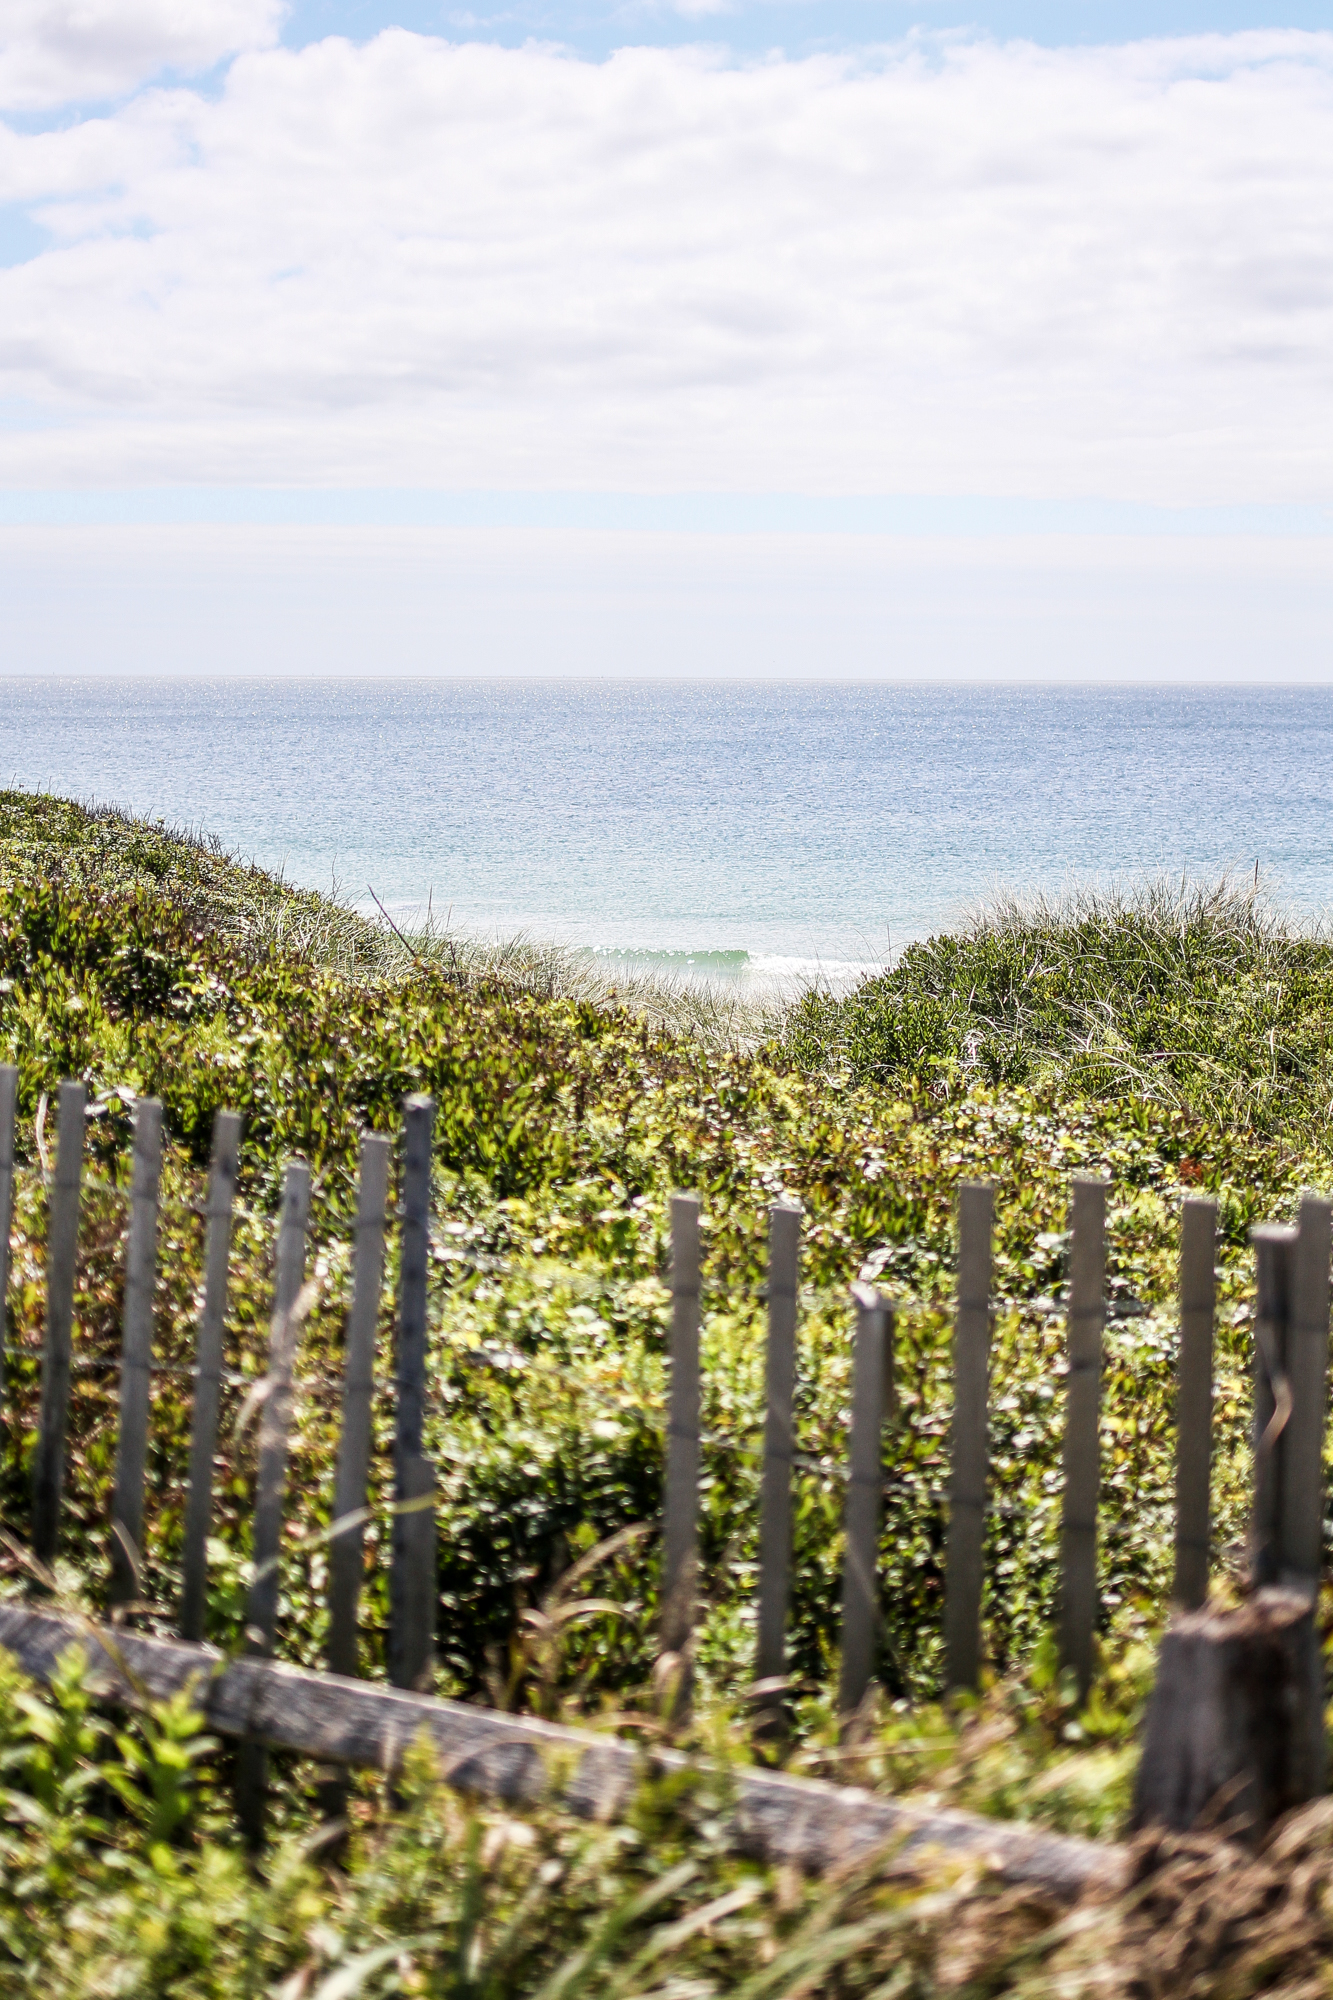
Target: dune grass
100	851
1179	994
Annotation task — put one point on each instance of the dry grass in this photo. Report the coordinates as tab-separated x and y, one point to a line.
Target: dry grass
1203	1918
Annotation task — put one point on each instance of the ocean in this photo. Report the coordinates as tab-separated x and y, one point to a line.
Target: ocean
742	832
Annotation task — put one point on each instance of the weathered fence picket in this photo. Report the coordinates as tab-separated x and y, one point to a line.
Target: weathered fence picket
1194	1399
275	1414
1238	1708
1082	1453
680	1526
62	1246
9	1097
412	1581
871	1375
784	1252
261	1609
1273	1243
969	1446
136	1354
351	1480
1291	1331
208	1371
1301	1525
347	1549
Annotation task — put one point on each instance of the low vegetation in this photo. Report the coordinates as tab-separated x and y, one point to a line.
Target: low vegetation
119	1875
1173	1042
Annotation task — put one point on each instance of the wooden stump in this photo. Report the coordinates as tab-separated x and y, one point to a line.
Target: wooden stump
1235	1728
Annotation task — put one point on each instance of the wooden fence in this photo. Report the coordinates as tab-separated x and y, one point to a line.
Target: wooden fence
1291	1356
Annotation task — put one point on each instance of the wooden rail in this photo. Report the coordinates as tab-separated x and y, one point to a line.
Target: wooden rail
773	1818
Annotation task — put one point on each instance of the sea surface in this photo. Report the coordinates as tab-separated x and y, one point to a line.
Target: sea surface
762	834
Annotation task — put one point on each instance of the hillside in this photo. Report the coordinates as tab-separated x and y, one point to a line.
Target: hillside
1172	1044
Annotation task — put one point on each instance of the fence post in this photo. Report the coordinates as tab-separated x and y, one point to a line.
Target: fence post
136	1354
1194	1400
865	1483
208	1371
413	1583
680	1529
1237	1713
9	1094
784	1251
1300	1557
261	1609
1274	1254
345	1550
969	1445
1082	1464
62	1243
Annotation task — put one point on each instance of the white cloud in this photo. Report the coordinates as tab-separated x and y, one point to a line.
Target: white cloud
688	10
955	267
55	52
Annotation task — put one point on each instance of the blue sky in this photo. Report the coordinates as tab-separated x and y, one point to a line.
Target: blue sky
797	26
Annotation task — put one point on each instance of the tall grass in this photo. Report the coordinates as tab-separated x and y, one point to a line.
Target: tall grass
1177	993
99	850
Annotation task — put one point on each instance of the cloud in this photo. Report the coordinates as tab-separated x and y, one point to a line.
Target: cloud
949	266
687	10
56	52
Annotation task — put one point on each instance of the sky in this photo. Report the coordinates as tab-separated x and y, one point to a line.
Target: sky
796	27
1012	309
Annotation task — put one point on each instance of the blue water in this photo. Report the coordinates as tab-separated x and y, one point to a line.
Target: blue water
743	831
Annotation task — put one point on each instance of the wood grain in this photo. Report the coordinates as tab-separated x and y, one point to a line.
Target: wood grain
863	1507
261	1605
1301	1527
680	1525
1082	1439
136	1353
62	1245
9	1092
1237	1715
773	1818
784	1256
1194	1399
208	1371
347	1549
969	1449
412	1583
1274	1251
